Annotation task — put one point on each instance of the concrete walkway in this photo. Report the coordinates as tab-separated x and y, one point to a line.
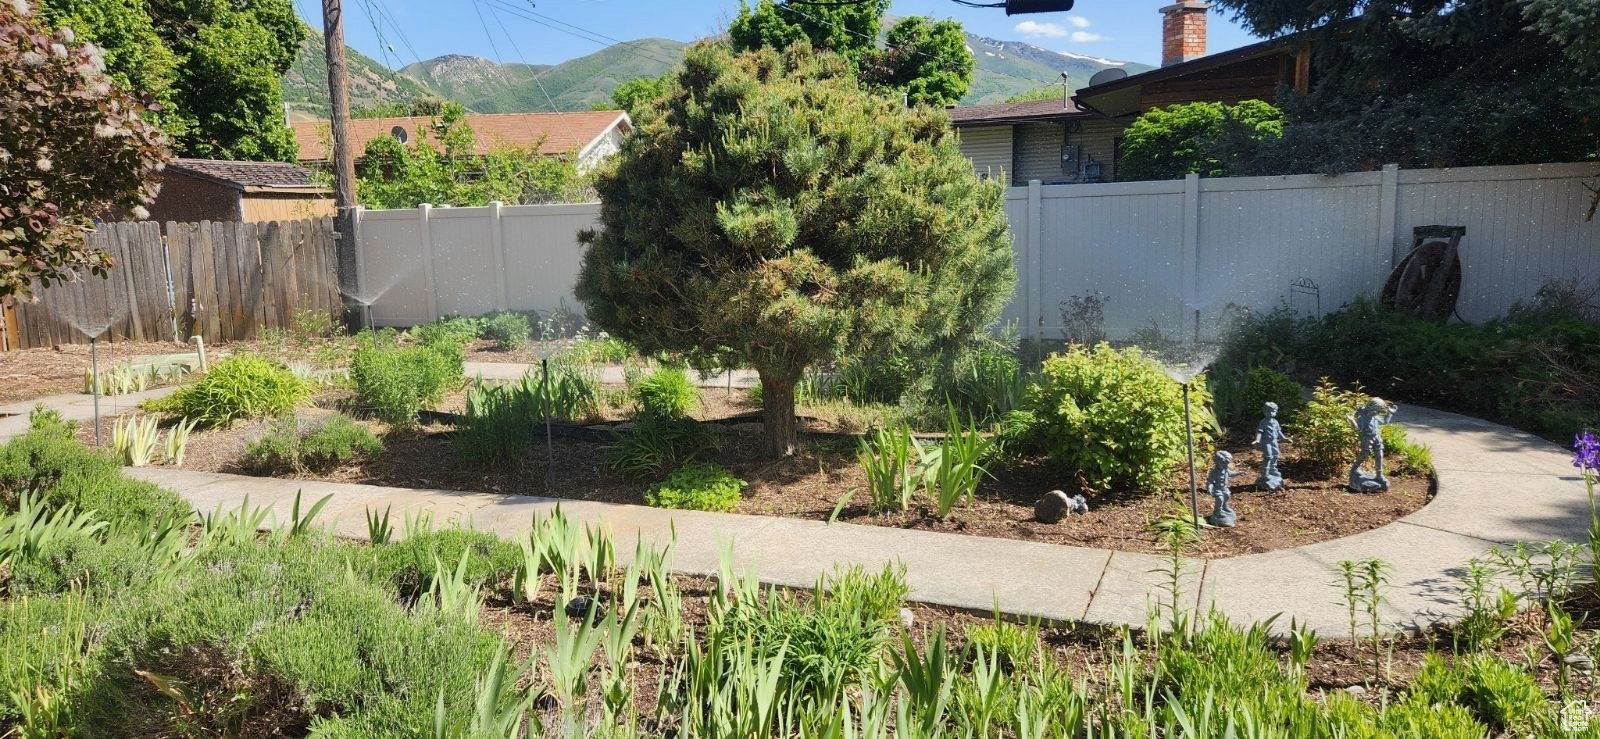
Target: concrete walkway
72	407
1496	486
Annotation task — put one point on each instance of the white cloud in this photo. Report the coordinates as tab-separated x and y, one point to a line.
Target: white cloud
1078	21
1035	29
1084	37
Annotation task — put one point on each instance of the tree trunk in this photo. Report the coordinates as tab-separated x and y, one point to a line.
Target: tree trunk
777	414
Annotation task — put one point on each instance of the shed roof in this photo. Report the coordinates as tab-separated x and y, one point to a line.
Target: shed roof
247	175
1025	112
554	133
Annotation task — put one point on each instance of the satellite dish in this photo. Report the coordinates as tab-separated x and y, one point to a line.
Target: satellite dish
399	133
1111	74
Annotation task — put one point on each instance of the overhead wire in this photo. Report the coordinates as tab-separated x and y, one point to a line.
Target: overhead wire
551	101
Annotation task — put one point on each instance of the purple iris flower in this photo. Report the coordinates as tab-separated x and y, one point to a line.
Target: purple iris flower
1586	452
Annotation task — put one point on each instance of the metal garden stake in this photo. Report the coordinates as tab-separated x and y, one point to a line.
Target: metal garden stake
1188	431
94	385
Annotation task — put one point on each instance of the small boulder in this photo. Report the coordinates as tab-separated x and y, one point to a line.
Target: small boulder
1056	505
1356	690
580	607
907	618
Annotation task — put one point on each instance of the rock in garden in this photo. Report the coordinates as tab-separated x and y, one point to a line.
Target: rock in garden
1055	505
907	618
580	606
1356	690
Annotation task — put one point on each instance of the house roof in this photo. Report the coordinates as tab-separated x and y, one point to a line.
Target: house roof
554	133
1025	112
1193	66
248	176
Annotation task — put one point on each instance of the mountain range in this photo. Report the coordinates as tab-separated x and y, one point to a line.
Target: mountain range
1004	69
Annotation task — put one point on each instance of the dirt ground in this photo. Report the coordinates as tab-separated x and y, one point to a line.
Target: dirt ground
35	373
810	485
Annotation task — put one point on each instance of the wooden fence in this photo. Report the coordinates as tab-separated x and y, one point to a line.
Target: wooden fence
223	281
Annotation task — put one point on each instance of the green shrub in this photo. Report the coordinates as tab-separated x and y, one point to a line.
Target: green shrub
397	382
500	420
601	348
410	565
665	394
1264	385
1515	370
1016	647
458	332
244	386
91	561
1497	692
1402	455
697	487
320	445
1109	414
1324	435
508	331
652	446
59	471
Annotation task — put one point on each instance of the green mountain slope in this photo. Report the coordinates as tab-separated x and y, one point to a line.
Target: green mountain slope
1007	68
305	85
1004	69
487	87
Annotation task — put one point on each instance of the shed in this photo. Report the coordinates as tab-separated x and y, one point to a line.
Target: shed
219	190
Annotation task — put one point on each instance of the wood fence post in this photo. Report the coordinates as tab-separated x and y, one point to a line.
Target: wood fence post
425	233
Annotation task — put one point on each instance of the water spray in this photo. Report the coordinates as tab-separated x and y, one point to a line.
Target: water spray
94	384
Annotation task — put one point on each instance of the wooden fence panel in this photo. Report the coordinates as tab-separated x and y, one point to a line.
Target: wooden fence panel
222	281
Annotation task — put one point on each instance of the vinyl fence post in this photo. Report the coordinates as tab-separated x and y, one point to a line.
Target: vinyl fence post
425	233
1031	261
497	240
1189	261
1388	212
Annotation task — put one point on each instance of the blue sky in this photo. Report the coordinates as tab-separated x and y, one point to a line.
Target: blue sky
1127	30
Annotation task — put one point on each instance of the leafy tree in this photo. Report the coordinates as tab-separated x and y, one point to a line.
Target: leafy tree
1048	92
927	61
441	167
637	92
849	29
72	146
1434	83
769	211
214	67
421	107
1169	143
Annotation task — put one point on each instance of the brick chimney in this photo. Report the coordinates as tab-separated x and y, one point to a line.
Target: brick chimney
1183	31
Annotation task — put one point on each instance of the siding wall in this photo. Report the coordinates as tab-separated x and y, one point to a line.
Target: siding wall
286	207
989	148
1038	153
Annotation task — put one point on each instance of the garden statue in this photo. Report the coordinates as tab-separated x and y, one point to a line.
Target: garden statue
1217	487
1055	505
1369	422
1268	434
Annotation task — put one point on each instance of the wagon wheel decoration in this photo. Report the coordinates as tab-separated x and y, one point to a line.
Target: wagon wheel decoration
1427	283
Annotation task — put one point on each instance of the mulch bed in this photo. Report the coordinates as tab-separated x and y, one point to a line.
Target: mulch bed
810	484
36	373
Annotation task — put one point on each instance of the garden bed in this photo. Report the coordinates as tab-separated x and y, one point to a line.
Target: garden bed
810	484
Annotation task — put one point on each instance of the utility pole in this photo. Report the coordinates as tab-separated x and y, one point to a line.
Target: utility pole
344	160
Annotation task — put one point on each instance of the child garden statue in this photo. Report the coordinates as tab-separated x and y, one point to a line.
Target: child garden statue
1222	514
1268	434
1369	422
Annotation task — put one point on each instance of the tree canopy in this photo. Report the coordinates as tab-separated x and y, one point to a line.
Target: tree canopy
1434	83
927	61
213	68
770	211
72	146
634	94
1201	138
450	172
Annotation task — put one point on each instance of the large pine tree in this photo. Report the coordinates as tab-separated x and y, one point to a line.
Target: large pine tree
769	211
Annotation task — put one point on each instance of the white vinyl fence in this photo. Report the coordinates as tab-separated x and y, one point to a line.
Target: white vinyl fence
419	265
1173	255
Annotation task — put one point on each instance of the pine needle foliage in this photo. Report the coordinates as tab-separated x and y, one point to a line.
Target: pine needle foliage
768	211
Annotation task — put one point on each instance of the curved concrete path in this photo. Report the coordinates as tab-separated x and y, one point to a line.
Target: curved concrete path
1496	486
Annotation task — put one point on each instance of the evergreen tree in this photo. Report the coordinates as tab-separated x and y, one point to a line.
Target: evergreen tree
1201	138
770	212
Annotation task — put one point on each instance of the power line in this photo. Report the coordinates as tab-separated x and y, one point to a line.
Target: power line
594	37
524	59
